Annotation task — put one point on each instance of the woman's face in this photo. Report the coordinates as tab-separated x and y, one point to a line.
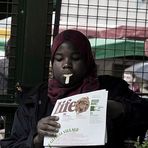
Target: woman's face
128	78
68	65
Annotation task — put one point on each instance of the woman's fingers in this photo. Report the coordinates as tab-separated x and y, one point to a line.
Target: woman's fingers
47	133
48	126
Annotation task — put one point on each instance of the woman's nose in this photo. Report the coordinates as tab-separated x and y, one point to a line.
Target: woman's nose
67	64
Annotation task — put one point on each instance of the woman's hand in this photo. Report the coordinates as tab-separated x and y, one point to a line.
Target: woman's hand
47	126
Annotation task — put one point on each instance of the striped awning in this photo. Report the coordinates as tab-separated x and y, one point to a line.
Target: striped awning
110	48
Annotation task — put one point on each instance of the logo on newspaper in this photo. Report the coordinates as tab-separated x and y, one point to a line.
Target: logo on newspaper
79	106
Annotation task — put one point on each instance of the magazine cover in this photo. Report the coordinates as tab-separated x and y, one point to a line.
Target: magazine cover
82	119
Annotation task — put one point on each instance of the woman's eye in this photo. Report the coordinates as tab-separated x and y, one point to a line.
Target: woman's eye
58	57
76	57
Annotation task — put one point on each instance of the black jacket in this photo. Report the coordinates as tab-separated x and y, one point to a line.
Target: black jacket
36	105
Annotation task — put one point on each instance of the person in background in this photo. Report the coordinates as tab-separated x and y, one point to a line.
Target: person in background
3	83
4	63
75	72
143	88
2	128
130	78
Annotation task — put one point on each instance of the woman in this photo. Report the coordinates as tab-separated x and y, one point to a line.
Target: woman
130	78
74	72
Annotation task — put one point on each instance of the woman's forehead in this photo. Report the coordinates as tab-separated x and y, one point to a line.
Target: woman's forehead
68	47
127	75
67	44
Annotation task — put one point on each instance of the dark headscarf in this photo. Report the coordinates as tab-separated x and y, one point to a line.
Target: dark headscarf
90	83
79	40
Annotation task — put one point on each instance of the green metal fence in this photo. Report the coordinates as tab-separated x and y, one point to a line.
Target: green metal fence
30	35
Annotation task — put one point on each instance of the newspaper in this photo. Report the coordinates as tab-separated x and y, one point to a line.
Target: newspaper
82	119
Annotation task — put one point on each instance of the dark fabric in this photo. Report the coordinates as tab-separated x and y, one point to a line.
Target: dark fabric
56	91
26	117
37	105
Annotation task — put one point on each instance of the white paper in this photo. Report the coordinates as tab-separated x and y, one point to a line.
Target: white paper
82	119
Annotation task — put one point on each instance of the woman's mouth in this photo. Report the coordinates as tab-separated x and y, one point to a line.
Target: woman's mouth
67	77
